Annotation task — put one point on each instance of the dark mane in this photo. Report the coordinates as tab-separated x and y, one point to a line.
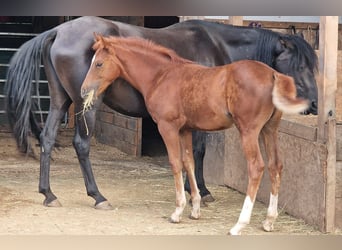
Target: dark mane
300	49
147	46
266	46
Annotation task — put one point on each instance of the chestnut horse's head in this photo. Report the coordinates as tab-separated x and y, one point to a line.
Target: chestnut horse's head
104	69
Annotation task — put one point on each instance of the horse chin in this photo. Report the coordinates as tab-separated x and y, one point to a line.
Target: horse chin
309	111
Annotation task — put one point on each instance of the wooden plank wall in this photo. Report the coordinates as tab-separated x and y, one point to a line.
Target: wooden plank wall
338	211
309	30
115	129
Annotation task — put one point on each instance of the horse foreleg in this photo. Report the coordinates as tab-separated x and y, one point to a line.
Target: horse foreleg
83	132
255	170
188	163
270	138
173	146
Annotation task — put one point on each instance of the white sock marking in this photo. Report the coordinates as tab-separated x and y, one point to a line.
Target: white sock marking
272	210
244	218
246	211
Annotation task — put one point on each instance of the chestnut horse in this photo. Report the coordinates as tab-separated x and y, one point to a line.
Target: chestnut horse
179	98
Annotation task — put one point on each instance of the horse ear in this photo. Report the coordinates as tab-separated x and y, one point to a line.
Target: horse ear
283	44
300	34
275	76
97	37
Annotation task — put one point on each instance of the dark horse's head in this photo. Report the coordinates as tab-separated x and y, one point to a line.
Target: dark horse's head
299	60
293	56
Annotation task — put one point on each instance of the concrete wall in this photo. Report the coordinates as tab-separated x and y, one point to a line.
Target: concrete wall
302	186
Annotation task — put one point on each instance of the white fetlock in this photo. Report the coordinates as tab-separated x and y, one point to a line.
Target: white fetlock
195	214
272	213
196	207
175	218
268	224
236	230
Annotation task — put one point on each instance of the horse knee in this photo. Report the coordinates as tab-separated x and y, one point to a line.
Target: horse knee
256	172
275	169
81	146
46	143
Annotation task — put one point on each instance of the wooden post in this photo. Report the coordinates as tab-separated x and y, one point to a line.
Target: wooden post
236	20
326	134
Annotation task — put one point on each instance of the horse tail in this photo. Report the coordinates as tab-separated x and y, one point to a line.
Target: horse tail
24	68
284	95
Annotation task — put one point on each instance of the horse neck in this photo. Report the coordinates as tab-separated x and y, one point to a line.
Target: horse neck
140	68
256	44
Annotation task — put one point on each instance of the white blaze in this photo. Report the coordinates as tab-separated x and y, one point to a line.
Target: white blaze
93	59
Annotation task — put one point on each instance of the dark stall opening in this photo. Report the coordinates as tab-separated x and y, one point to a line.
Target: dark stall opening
152	143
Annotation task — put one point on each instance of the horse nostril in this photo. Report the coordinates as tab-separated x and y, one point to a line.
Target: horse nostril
314	107
83	93
314	104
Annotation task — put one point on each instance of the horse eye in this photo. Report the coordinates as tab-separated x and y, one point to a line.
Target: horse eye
98	64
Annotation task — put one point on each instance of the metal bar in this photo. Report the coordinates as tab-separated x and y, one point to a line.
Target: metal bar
35	112
8	49
6	65
34	81
17	34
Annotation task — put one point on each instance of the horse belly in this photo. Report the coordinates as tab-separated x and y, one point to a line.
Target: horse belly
204	100
210	122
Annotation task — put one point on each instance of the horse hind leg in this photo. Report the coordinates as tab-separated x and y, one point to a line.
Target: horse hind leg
47	142
255	164
59	104
188	163
270	138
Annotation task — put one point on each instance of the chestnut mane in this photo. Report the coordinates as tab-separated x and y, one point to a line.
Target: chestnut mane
143	45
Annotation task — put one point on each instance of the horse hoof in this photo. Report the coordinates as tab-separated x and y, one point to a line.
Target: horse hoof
233	233
175	218
54	203
207	198
104	205
267	226
194	216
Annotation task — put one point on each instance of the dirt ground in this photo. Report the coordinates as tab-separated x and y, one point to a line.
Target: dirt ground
141	191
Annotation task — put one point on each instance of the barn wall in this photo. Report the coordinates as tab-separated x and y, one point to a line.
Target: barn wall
302	186
115	129
338	218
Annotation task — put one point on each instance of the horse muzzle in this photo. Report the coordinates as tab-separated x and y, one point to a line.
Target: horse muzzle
84	92
313	108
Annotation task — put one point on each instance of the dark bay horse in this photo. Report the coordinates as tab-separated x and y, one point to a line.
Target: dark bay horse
66	55
179	98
